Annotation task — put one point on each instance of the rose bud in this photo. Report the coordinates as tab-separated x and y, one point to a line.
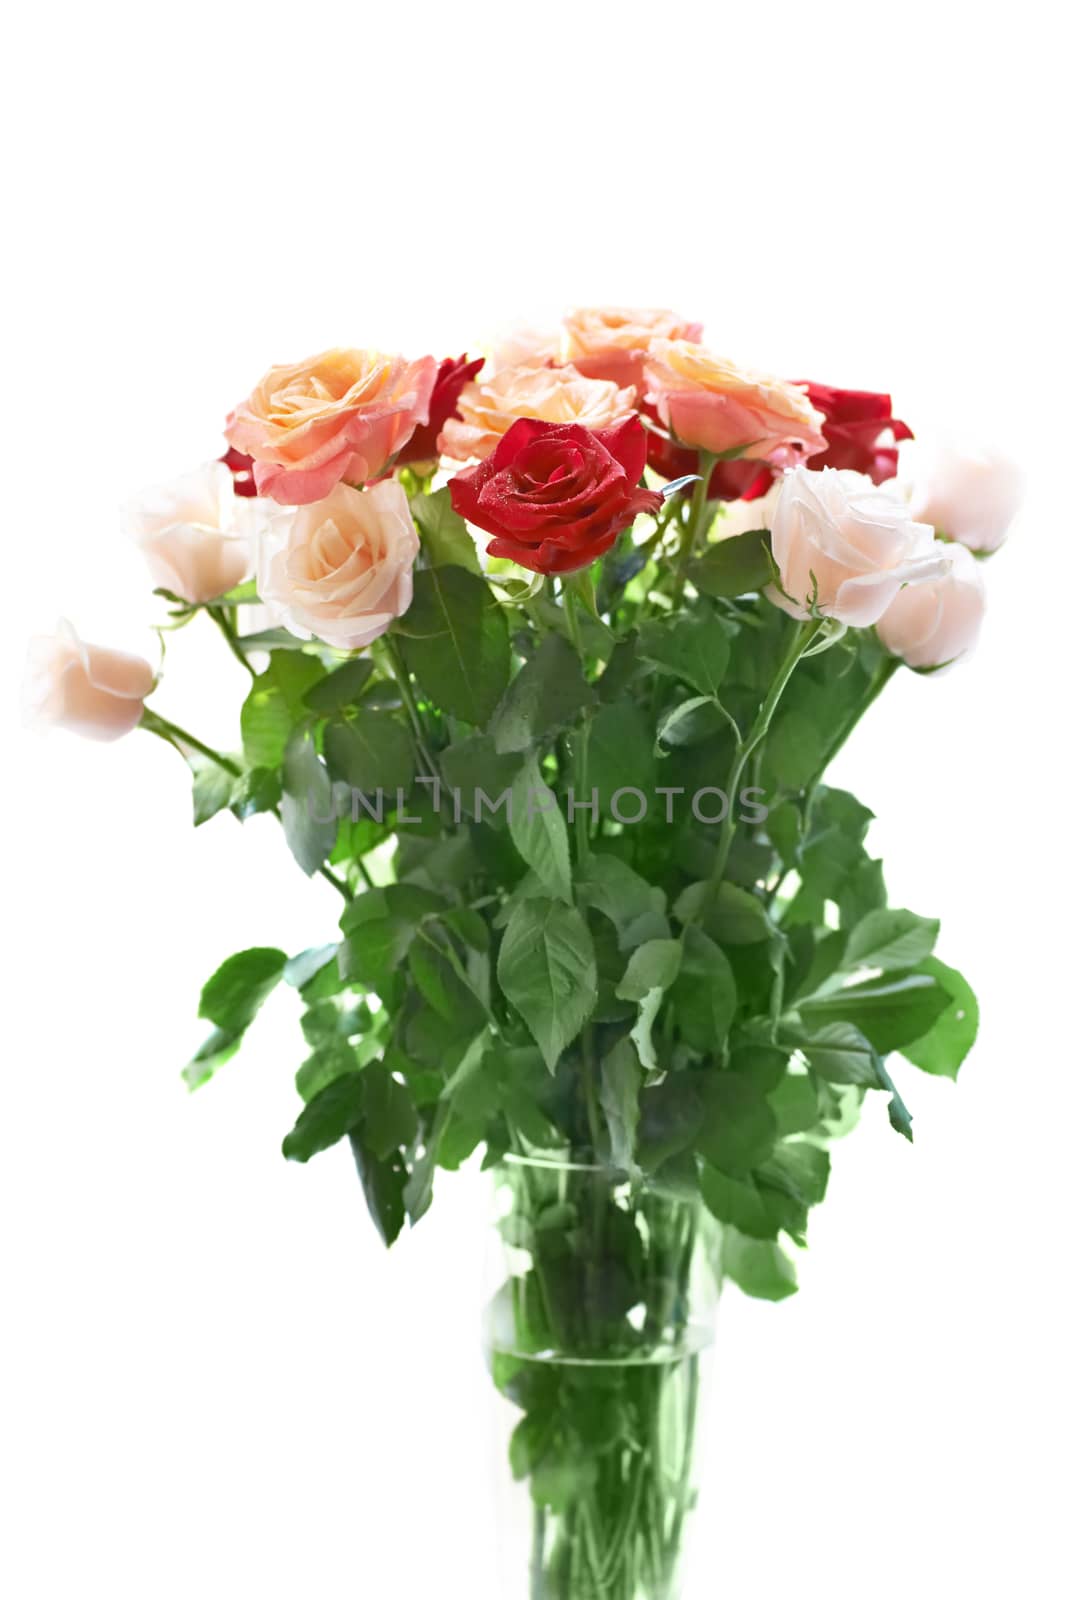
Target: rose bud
85	688
557	497
195	534
340	570
338	416
844	547
969	496
444	404
934	624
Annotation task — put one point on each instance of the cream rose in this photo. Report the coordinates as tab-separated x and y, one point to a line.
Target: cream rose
934	624
612	341
83	687
710	404
340	570
548	394
844	548
971	496
196	534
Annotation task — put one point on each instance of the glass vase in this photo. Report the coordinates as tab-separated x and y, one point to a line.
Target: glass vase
603	1296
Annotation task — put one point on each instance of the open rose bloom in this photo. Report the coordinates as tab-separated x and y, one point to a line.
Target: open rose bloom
559	745
340	415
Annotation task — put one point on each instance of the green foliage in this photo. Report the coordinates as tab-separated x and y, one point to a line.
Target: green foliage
697	1004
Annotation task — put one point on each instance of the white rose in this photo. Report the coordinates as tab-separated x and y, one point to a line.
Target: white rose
971	496
196	534
96	692
933	624
844	548
340	569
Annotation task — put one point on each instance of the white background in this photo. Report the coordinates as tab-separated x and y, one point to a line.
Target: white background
215	1382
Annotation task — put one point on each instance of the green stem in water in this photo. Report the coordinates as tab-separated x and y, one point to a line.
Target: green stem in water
804	636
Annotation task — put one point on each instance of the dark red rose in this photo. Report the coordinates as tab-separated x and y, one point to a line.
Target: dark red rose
554	495
241	471
444	403
861	432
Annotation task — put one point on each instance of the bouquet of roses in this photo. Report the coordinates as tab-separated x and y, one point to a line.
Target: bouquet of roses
546	665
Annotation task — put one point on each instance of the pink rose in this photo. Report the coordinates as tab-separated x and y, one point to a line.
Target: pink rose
970	496
612	342
844	548
340	570
547	394
196	534
83	687
340	415
525	346
713	405
934	624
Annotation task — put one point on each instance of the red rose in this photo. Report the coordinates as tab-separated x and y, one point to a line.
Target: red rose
241	471
730	480
554	495
452	375
860	430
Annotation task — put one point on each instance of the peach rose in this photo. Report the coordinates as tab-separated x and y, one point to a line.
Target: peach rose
971	496
340	415
96	692
612	342
196	534
713	405
340	570
523	346
547	394
844	548
934	624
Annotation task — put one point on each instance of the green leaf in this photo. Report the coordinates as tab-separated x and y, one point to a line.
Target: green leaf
621	894
236	991
738	1201
547	971
389	1115
730	915
620	1081
890	940
539	832
620	756
734	566
213	789
671	1113
334	1058
444	537
340	688
793	750
705	995
327	1118
384	1184
759	1267
257	790
473	770
891	1012
839	1053
738	1129
546	695
795	1103
309	818
943	1048
654	965
218	1048
689	646
454	638
371	751
275	705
